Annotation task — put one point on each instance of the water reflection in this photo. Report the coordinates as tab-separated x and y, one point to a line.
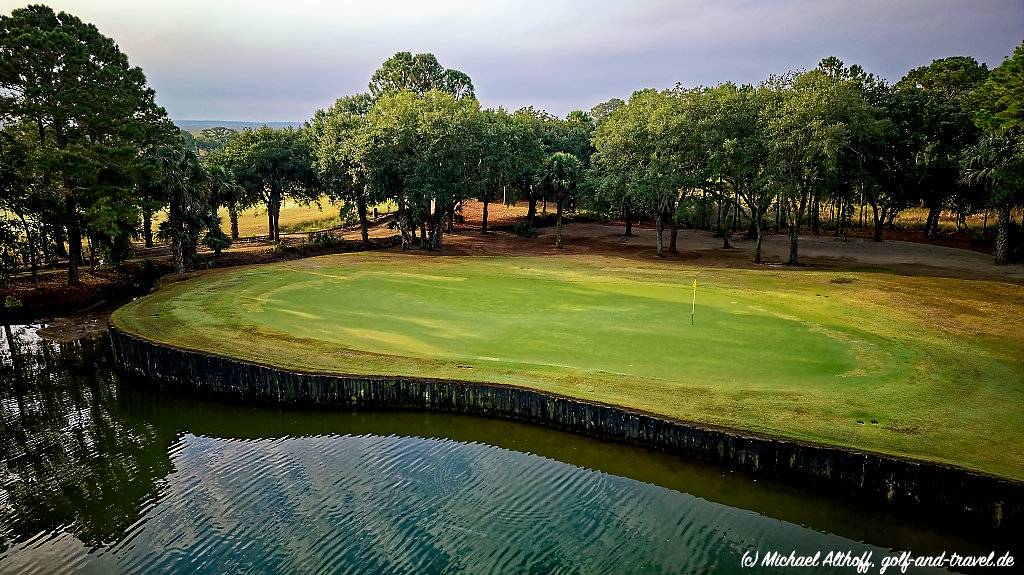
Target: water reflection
71	459
106	475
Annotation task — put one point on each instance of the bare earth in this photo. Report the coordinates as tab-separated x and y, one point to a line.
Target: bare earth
698	247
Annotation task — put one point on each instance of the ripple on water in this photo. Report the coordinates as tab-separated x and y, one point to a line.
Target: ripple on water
388	504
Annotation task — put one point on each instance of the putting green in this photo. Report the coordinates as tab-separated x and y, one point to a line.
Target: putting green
929	368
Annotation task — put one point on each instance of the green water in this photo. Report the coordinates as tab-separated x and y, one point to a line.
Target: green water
101	474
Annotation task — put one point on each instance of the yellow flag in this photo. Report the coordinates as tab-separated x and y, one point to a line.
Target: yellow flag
694	283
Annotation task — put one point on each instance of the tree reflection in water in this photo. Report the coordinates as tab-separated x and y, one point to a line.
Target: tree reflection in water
70	459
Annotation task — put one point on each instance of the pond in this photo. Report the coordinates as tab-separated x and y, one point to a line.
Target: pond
102	473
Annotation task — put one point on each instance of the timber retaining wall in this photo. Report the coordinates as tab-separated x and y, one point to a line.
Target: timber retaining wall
927	488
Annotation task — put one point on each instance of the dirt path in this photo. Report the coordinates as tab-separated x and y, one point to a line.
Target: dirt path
702	248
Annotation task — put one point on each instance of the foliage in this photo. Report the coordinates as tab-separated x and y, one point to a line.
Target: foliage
92	109
336	140
183	180
421	152
271	165
524	229
419	74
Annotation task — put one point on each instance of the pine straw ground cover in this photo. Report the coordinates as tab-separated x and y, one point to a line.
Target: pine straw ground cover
930	368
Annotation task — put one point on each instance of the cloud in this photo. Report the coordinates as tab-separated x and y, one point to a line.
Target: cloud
268	60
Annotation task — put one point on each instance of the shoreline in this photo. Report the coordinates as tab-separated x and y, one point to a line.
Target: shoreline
985	500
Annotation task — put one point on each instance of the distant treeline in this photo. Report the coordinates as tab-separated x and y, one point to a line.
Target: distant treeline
87	157
196	126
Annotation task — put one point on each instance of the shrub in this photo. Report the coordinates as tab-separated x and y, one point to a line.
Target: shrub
524	229
216	240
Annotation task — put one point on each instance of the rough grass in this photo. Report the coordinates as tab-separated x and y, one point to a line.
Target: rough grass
929	368
295	217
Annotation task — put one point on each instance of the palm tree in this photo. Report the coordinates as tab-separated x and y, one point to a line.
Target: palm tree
184	182
224	189
560	176
996	163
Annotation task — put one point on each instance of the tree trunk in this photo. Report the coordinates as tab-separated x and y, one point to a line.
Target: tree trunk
704	209
794	236
659	223
147	226
673	233
862	206
437	227
628	215
44	245
1003	225
879	220
177	250
483	225
558	224
727	230
531	211
815	214
92	254
402	221
760	237
74	239
277	221
364	227
233	216
59	240
270	220
931	225
737	217
29	236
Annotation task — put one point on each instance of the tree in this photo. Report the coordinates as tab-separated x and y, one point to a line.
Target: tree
631	147
808	120
19	196
510	152
272	165
945	127
534	127
75	85
600	111
421	152
996	162
336	136
185	183
419	74
739	150
954	78
213	139
892	159
1000	99
560	177
223	191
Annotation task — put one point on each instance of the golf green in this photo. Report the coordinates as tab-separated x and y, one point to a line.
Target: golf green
930	368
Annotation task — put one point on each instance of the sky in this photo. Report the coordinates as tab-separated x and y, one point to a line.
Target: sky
266	60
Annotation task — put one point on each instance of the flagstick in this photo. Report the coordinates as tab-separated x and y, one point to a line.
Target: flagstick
693	308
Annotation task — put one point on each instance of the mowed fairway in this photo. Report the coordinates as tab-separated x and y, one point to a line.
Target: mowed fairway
930	368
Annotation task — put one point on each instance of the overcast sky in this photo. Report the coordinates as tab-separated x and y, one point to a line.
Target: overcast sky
279	60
